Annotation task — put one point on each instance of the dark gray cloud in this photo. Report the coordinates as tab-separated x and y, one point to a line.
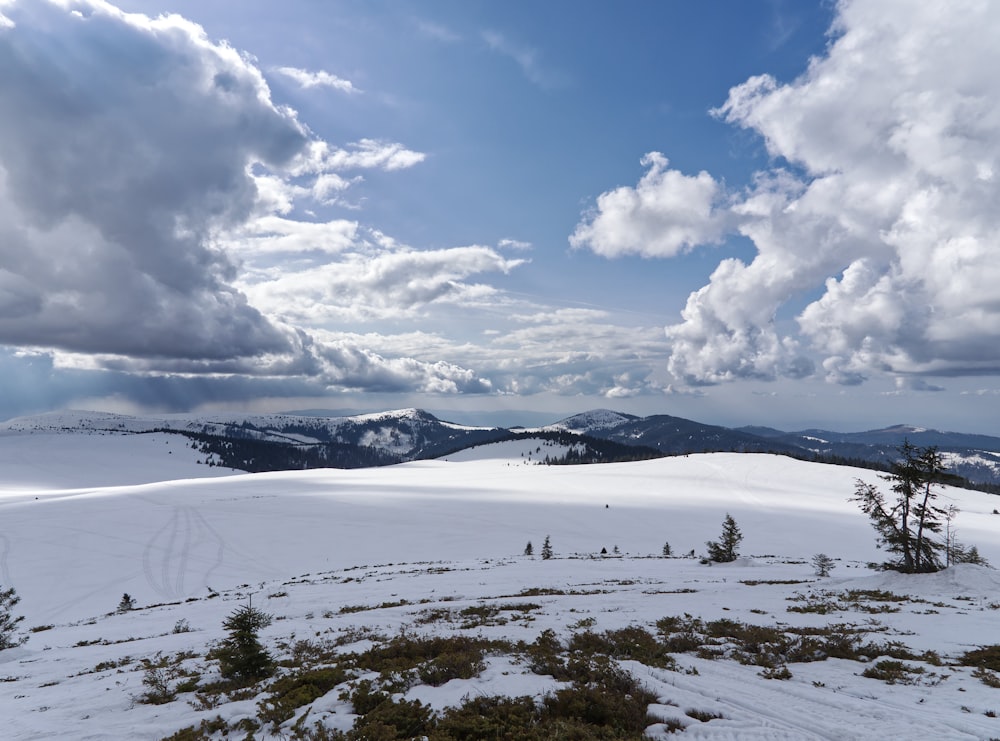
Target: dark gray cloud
125	148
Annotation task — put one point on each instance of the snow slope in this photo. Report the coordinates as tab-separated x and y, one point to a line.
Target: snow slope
33	461
449	534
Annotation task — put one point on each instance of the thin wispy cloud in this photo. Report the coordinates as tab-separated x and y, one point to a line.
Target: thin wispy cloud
437	31
527	58
308	79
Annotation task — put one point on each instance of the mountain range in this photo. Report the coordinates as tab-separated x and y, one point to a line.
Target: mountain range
268	442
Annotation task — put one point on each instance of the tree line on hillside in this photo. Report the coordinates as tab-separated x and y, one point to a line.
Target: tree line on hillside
255	456
581	449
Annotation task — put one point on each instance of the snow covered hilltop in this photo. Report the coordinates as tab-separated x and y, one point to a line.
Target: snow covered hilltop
402	593
274	442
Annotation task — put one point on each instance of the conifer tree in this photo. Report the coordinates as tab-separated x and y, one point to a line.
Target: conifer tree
546	549
8	623
666	550
727	547
906	526
241	655
823	564
529	550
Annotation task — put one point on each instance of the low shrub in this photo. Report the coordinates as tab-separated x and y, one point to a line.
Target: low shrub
294	691
891	671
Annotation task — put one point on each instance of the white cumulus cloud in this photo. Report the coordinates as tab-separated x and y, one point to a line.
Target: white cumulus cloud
668	212
881	197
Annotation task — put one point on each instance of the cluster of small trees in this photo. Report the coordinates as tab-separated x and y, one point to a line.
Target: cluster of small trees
722	551
909	525
547	552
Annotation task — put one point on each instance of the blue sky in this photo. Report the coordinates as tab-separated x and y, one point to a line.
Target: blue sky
777	213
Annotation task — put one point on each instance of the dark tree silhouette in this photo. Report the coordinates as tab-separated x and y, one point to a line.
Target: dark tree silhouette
727	547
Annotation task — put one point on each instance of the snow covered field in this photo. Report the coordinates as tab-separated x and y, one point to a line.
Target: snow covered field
332	552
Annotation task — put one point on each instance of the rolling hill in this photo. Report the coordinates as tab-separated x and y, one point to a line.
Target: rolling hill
424	561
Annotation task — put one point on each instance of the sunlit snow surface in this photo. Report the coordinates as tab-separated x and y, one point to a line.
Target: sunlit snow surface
450	533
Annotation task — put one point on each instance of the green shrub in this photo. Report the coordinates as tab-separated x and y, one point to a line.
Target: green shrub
365	697
892	672
986	657
987	677
545	655
613	701
631	643
393	719
465	663
158	690
489	718
293	691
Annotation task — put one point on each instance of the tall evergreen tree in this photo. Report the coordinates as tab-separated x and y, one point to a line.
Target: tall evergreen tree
546	549
727	547
906	526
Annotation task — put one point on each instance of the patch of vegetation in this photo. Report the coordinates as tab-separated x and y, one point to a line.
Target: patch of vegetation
985	657
106	665
777	672
611	705
204	731
393	719
348	609
703	715
489	718
292	691
859	600
158	690
632	643
434	660
984	675
891	671
771	646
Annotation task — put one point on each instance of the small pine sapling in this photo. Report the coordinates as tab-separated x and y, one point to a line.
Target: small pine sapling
241	655
546	549
529	550
666	550
127	603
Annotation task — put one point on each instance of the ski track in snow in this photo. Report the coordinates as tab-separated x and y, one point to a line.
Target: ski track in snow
187	546
778	710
